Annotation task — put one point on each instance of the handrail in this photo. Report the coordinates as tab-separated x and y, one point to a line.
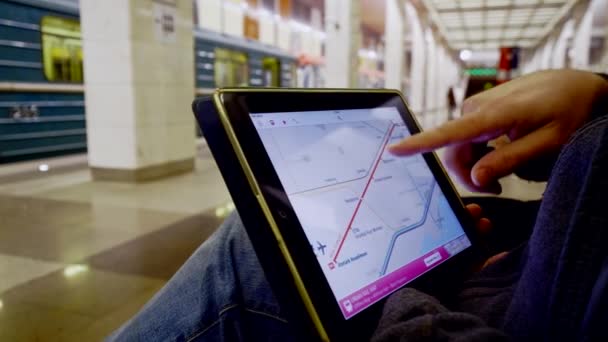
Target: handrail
41	87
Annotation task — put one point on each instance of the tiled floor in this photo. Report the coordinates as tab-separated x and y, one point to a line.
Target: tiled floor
79	257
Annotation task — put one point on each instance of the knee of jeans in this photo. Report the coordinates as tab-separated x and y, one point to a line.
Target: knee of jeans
252	283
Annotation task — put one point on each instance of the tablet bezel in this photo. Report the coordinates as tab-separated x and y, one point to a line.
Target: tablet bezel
237	105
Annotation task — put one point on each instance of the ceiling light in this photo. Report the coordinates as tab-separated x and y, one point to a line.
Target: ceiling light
475	34
472	16
526	2
526	12
43	167
449	4
473	23
493	34
471	4
517	20
496	14
456	35
498	3
448	16
465	55
539	21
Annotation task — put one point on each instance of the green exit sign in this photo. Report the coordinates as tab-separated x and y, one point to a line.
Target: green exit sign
481	71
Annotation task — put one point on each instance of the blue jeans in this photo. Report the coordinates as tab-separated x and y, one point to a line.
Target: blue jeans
219	294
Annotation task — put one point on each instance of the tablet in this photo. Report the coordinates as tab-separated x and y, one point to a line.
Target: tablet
337	222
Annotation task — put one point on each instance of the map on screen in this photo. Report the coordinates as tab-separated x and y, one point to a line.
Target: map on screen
375	221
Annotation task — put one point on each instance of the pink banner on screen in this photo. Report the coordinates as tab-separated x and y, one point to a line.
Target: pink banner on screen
362	298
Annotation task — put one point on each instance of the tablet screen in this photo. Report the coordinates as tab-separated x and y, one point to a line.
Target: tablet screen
374	221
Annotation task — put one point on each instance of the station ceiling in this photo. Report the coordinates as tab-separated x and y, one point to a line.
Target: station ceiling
488	24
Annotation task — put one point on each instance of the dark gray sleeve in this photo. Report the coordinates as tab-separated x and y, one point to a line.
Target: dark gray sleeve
410	315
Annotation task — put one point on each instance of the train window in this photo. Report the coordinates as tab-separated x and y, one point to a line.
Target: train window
61	49
272	71
231	68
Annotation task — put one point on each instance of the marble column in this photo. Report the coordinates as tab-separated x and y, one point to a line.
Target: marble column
139	84
395	47
343	27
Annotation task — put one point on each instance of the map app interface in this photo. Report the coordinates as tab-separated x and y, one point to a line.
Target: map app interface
375	221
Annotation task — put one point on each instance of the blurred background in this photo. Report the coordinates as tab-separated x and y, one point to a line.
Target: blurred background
106	184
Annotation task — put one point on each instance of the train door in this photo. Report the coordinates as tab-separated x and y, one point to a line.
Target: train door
231	68
61	49
271	68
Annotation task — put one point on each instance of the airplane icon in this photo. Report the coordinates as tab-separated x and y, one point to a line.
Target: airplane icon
321	247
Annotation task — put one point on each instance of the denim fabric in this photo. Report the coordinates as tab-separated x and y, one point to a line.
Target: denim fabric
219	294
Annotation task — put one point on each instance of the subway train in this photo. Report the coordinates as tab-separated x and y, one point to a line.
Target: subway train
42	110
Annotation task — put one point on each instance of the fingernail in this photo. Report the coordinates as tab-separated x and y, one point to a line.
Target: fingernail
394	148
481	177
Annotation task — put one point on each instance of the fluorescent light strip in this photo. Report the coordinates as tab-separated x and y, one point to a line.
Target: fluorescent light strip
490	21
435	17
556	19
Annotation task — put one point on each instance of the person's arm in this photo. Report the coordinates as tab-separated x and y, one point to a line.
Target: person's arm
538	112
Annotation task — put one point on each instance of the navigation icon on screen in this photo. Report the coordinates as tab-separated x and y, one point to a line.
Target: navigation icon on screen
348	306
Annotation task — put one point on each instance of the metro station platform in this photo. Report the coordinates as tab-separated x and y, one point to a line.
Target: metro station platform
79	257
106	183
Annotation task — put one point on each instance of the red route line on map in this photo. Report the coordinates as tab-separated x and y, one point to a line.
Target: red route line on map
371	176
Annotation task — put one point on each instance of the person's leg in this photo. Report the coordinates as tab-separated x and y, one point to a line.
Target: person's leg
219	294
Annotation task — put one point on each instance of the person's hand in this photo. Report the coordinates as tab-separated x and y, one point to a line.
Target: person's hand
483	226
538	113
